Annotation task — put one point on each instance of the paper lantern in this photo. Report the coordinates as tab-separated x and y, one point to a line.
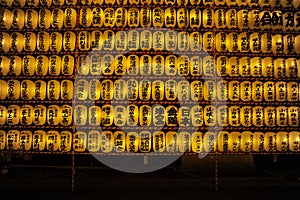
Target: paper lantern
246	115
197	142
120	115
223	119
266	43
132	142
208	66
97	40
145	117
281	116
269	91
220	18
258	116
270	116
66	115
197	116
68	41
145	141
18	17
292	91
171	90
291	67
270	141
107	141
95	115
279	67
65	141
52	141
39	140
119	141
281	91
80	141
158	65
196	90
170	17
26	115
41	66
294	141
13	140
234	90
268	67
132	115
233	66
183	65
3	89
184	116
2	139
171	116
27	89
209	90
293	113
5	18
107	66
195	41
28	65
231	19
146	40
54	65
234	142
277	44
245	66
183	17
133	89
107	89
297	44
246	90
195	18
246	141
210	142
40	115
221	42
232	42
159	140
208	18
54	115
184	41
171	141
223	141
159	116
3	115
158	16
157	90
132	65
288	21
17	42
184	142
25	140
210	115
258	141
120	89
5	42
40	90
256	66
15	65
13	114
4	65
53	90
13	89
282	143
289	44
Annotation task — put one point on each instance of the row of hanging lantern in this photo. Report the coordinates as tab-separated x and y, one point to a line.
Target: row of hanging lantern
145	90
145	141
134	40
251	3
145	115
58	18
146	65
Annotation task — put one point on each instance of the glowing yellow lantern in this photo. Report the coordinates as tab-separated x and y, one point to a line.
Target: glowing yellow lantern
40	115
66	115
197	142
270	142
184	116
246	90
292	91
247	141
119	141
258	116
25	140
107	141
80	141
221	42
80	115
293	113
145	141
157	90
94	115
245	66
291	67
132	65
5	42
210	115
231	18
294	141
269	91
288	44
281	91
159	141
3	115
17	42
172	141
133	17
246	115
282	143
159	115
53	90
53	115
5	18
68	41
2	139
40	90
26	115
158	65
172	116
39	140
70	18
279	68
15	65
282	116
258	141
297	44
268	67
65	139
132	115
232	42
13	140
3	89
4	65
184	142
223	141
13	114
146	40
266	43
52	141
277	44
183	17
270	116
132	142
158	40
195	18
145	115
18	18
183	65
158	16
209	90
210	141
